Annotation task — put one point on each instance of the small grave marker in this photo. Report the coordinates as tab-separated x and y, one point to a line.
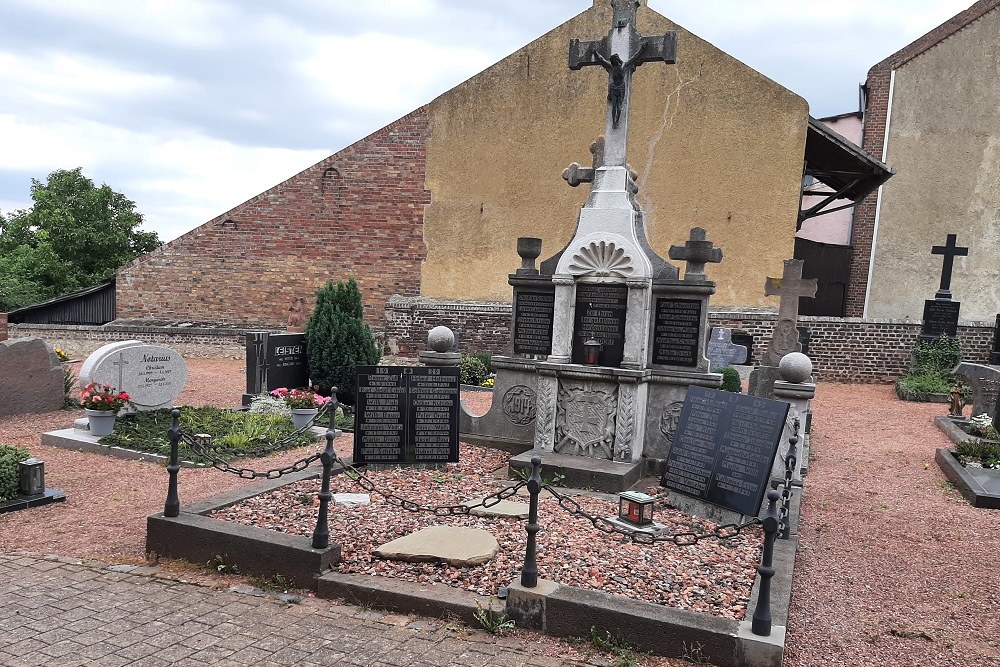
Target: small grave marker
722	351
995	354
407	414
724	448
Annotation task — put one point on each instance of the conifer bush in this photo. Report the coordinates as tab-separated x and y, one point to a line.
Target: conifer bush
338	340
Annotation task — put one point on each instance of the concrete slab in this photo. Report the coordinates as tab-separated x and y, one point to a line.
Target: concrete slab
456	545
582	472
504	508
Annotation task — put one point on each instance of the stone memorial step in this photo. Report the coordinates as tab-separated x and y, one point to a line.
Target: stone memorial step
454	545
352	499
504	508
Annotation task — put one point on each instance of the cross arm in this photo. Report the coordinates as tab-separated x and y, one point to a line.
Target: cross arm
662	47
583	53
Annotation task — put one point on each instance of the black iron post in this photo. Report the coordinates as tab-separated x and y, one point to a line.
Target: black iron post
761	624
529	573
321	536
172	507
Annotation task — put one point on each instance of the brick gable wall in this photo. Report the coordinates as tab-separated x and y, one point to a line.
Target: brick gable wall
359	212
873	140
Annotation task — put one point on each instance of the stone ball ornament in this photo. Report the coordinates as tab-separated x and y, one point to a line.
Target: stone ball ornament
440	339
795	367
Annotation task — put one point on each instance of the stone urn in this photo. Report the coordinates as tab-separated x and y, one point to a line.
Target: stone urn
101	422
304	417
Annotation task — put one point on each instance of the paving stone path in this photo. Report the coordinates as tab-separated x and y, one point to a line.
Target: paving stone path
58	612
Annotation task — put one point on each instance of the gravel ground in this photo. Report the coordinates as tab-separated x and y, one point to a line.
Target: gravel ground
893	567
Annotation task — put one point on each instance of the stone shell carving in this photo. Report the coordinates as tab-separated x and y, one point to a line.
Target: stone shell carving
519	405
603	259
585	422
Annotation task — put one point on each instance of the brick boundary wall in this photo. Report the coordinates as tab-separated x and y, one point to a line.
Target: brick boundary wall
842	349
873	138
80	340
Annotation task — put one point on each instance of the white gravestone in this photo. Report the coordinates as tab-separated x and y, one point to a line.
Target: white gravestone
153	376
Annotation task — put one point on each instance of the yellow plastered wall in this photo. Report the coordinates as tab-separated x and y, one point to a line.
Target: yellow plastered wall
715	143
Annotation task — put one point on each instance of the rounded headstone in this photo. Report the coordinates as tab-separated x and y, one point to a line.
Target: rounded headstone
795	367
153	376
440	339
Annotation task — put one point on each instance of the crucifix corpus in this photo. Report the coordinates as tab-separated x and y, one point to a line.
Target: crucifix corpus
620	52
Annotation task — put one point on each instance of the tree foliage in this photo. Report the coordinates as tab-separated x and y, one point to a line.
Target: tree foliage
75	235
338	340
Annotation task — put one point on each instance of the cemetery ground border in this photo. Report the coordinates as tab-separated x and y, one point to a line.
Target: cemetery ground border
565	611
973	491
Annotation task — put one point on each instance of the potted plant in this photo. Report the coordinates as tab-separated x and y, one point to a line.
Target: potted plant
101	403
303	403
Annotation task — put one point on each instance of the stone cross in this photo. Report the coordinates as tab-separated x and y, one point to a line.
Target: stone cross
620	52
790	287
950	251
121	364
696	251
721	350
576	173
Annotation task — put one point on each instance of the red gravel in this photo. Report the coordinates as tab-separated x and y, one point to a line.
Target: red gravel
893	567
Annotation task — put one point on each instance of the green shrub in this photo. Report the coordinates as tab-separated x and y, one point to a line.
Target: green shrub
731	380
473	370
338	340
10	456
487	360
939	356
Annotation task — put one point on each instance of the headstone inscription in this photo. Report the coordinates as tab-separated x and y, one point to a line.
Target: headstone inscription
276	360
533	313
676	332
153	376
724	448
722	350
985	383
407	414
600	315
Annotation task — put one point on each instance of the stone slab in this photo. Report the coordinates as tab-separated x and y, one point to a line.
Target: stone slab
762	379
39	499
582	472
504	508
455	545
979	486
31	377
352	499
80	440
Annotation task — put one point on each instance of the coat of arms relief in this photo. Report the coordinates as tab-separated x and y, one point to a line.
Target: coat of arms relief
585	421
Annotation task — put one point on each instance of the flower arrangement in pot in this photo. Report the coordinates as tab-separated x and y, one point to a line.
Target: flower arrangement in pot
303	403
101	403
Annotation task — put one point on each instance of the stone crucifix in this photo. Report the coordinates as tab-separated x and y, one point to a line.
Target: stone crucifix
950	250
620	52
791	286
696	251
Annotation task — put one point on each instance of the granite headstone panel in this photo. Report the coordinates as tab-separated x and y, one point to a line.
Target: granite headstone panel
676	332
276	360
407	414
746	340
533	316
600	314
940	317
153	376
724	448
31	377
985	383
722	351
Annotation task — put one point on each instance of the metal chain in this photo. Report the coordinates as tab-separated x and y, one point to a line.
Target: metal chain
640	536
198	447
791	461
412	506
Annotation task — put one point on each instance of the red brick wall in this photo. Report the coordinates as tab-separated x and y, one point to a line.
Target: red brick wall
875	118
358	212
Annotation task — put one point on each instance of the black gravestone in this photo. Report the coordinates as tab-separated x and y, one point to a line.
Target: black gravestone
676	332
533	314
995	354
600	314
275	360
724	448
940	317
407	414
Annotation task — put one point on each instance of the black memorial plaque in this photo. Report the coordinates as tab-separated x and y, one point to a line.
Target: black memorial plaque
940	317
406	414
533	314
676	332
600	314
275	360
724	448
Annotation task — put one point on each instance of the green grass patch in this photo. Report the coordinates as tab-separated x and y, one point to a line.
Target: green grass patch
230	429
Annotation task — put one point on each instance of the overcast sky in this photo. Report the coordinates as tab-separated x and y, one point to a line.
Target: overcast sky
190	107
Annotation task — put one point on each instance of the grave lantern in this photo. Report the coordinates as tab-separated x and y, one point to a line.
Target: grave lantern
591	351
32	477
635	507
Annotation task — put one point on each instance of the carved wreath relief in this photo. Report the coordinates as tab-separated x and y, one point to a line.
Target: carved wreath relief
519	405
585	421
626	423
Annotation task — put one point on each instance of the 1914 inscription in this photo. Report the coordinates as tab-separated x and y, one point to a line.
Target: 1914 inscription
533	322
677	332
407	414
600	314
724	448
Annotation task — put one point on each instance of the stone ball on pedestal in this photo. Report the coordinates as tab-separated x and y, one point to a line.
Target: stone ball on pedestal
440	339
795	367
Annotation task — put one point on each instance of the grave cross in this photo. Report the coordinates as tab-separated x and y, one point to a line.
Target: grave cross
790	287
620	52
950	251
697	252
576	173
121	363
